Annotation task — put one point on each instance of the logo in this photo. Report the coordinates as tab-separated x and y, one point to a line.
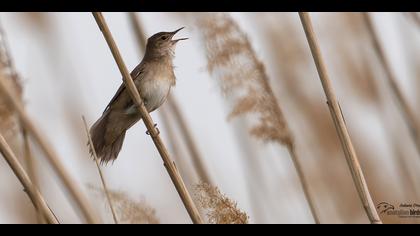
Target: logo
404	210
384	207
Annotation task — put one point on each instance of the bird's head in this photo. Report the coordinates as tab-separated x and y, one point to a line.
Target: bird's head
162	43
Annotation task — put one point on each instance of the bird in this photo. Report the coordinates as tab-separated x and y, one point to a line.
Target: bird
153	77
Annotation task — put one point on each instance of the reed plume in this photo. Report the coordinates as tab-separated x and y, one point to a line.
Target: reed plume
244	81
219	208
242	78
128	210
9	123
133	212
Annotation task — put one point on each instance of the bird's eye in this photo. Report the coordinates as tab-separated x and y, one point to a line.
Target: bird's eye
164	37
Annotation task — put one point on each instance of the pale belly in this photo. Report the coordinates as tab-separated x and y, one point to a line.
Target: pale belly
154	93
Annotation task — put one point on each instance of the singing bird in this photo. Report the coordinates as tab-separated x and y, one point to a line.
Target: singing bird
153	77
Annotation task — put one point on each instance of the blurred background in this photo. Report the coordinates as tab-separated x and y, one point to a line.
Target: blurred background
67	71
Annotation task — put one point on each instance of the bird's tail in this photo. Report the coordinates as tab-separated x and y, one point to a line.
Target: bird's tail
106	141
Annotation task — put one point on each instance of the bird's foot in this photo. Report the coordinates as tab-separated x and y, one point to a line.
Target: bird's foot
157	131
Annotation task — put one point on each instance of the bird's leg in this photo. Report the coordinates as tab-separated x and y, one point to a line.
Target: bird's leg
157	131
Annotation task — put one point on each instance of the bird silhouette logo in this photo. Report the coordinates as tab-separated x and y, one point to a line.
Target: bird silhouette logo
384	207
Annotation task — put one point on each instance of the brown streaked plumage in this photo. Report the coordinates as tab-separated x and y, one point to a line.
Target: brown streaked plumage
153	77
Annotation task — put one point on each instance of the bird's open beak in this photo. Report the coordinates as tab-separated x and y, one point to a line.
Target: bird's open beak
176	31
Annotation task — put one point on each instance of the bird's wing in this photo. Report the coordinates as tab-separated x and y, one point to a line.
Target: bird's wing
135	74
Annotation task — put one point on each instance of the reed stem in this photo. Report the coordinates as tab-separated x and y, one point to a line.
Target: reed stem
50	153
101	175
173	105
33	193
303	182
30	165
192	146
339	122
26	146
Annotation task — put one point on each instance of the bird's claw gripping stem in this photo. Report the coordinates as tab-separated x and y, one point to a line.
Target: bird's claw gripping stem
157	131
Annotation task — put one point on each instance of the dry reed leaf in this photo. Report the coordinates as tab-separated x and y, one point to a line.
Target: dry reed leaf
219	208
242	77
130	211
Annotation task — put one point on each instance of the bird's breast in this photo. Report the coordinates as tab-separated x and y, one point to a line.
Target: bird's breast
155	90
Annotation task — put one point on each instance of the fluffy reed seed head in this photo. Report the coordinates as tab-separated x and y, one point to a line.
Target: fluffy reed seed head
242	77
219	208
130	211
8	119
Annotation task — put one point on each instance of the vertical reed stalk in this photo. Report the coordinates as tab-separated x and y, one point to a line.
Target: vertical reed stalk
174	143
407	112
51	155
30	165
135	95
339	122
303	182
101	175
23	177
187	136
173	105
138	31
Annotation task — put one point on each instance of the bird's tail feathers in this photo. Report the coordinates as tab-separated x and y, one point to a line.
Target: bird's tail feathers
106	150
